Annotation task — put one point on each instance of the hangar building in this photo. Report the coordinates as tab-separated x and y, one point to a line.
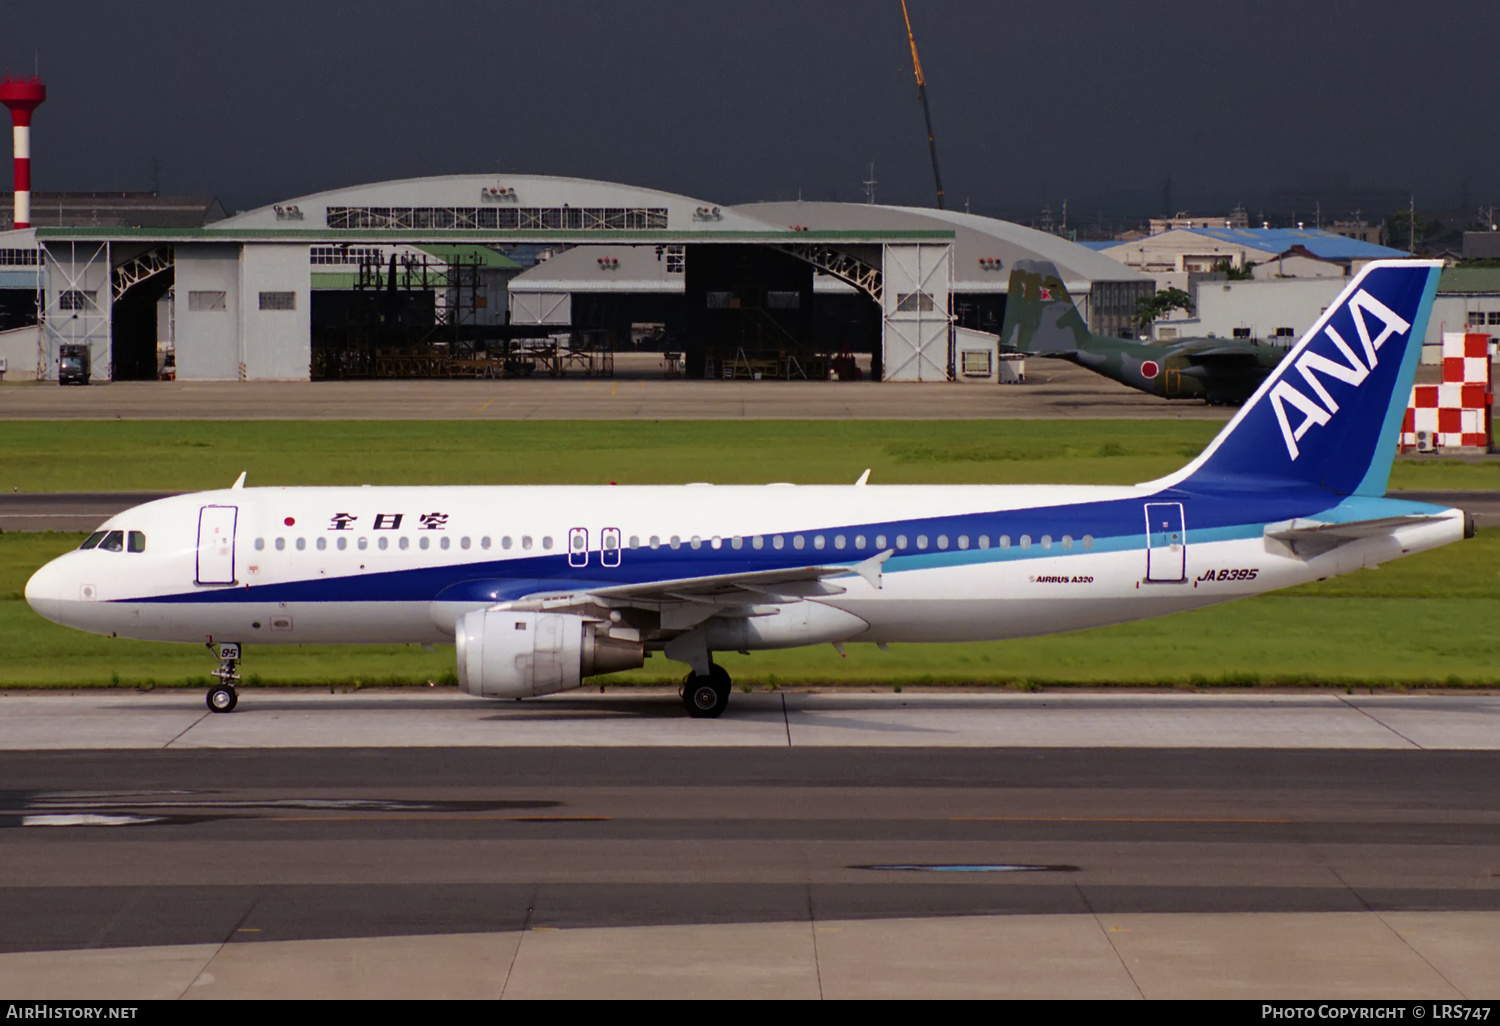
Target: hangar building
464	274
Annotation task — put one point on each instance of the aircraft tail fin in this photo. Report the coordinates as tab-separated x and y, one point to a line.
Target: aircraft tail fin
1330	412
1040	316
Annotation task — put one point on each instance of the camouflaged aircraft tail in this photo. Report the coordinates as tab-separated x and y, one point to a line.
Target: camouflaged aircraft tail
1039	315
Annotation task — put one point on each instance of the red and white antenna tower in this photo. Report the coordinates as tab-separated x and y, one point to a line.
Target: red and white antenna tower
22	96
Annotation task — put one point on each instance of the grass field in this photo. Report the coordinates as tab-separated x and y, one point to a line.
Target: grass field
1425	620
191	455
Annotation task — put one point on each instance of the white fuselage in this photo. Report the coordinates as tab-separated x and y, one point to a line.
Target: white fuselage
394	565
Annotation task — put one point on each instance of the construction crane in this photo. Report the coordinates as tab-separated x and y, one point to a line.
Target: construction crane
916	63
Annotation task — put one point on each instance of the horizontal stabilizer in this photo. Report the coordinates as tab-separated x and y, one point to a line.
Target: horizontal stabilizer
1309	538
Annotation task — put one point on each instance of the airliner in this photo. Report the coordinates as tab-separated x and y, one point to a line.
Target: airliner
540	588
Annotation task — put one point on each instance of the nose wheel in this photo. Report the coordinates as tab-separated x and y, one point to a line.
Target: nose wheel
706	696
223	697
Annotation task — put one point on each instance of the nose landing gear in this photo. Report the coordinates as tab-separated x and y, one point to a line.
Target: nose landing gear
223	697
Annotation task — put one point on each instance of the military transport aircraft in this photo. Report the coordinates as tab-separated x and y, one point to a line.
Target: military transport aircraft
1040	319
540	587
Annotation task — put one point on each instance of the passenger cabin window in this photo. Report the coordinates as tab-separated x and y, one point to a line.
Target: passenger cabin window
136	542
93	540
322	544
260	544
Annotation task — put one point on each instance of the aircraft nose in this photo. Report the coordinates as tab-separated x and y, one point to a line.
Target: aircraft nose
45	590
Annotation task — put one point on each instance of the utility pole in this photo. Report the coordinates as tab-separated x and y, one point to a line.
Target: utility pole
916	63
1411	227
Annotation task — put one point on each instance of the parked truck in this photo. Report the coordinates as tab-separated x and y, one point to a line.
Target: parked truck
73	364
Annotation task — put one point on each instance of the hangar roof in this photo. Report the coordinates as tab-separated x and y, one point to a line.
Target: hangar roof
518	198
1321	244
977	238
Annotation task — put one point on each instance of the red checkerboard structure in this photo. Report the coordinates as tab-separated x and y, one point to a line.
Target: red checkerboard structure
1456	413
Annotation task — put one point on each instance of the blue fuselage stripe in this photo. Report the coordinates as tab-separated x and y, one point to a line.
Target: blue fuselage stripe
1111	525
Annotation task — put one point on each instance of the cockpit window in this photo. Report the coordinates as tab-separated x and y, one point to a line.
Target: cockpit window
92	540
114	541
137	541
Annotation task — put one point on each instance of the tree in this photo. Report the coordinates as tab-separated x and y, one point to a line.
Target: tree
1148	309
1245	273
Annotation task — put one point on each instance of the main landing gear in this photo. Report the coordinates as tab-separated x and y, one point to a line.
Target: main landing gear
706	696
222	697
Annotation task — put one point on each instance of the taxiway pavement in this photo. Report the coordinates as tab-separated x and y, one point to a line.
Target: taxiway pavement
751	871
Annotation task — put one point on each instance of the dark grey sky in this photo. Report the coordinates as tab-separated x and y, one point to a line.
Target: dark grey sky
1033	102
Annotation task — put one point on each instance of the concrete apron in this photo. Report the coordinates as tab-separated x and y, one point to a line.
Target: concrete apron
1349	955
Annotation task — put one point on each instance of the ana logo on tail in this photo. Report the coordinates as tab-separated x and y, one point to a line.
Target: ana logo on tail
1353	371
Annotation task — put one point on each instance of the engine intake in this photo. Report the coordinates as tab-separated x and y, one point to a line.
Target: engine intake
520	655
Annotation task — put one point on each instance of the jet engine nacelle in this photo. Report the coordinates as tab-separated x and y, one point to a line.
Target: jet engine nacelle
519	655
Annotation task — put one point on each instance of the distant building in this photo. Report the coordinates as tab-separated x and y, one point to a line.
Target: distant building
1274	311
1173	255
114	210
1468	299
1363	231
1482	245
1236	218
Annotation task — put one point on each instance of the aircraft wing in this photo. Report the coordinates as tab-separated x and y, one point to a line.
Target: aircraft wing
1222	354
686	602
756	586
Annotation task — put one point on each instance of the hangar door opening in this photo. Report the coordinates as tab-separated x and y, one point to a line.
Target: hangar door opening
917	312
